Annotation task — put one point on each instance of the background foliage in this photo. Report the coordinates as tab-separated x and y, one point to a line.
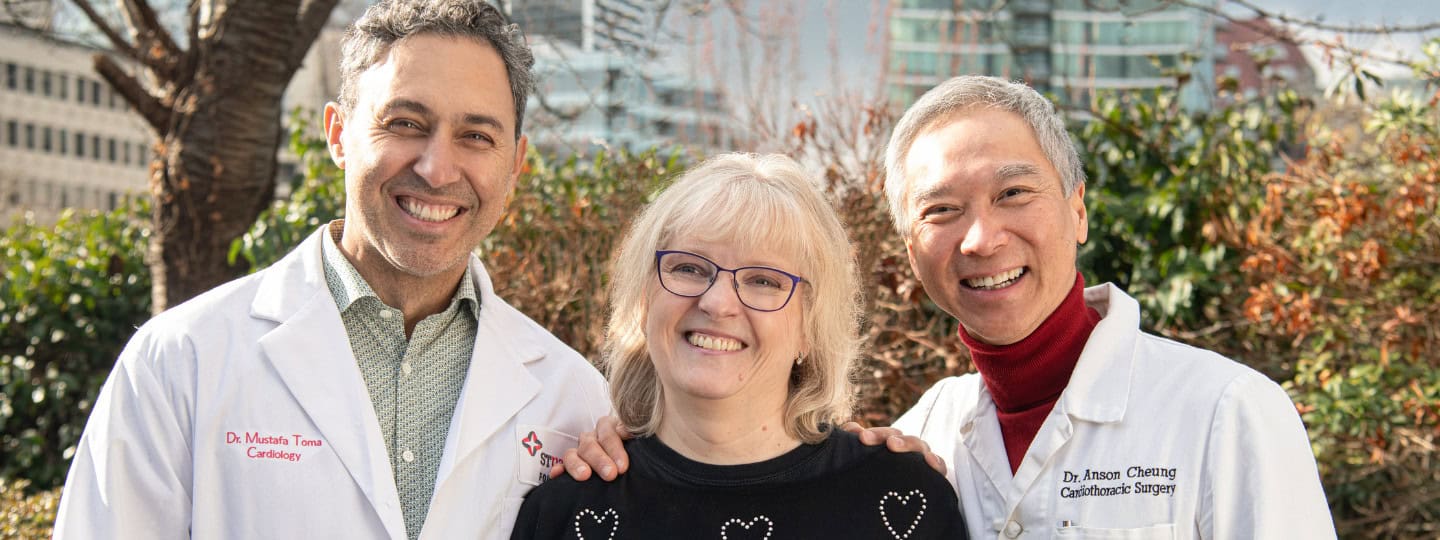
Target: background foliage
71	295
1295	241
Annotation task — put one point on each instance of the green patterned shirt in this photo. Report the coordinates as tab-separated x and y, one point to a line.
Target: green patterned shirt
413	383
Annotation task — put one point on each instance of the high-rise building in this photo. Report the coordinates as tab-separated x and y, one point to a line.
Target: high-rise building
622	26
599	83
584	100
1069	47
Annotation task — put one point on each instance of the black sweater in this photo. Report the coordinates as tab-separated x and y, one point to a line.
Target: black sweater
837	488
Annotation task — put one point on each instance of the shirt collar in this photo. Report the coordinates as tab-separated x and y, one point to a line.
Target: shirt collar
348	286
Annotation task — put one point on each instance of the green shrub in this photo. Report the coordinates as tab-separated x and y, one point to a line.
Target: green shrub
548	255
1341	272
71	295
1159	177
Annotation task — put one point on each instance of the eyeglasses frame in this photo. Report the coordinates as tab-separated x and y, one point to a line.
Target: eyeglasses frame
795	280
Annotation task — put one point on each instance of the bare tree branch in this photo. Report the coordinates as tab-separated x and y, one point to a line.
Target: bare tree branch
313	14
151	108
1351	55
1344	29
118	42
145	26
190	63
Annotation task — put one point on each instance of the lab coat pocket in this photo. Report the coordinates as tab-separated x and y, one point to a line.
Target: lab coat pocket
1154	532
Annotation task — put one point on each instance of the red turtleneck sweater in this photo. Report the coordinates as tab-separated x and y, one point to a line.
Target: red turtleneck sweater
1025	378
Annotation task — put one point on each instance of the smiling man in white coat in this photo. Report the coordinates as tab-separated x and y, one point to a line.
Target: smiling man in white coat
1077	424
370	384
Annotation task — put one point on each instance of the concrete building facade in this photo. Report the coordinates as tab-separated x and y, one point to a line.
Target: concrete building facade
66	140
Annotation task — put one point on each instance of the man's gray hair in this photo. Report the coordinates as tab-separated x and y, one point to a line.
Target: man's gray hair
968	93
389	21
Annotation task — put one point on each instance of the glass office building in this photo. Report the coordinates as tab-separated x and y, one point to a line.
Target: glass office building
1068	47
599	82
622	26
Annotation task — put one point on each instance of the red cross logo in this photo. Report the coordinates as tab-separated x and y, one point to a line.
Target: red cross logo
532	443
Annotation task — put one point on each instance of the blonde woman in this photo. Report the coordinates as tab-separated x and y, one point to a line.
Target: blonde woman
733	336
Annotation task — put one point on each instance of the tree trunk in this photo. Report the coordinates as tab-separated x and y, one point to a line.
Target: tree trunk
217	109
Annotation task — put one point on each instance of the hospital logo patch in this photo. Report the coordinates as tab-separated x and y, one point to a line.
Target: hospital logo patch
531	443
539	449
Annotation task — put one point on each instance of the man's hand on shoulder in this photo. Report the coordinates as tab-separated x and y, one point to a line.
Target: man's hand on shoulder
602	450
896	441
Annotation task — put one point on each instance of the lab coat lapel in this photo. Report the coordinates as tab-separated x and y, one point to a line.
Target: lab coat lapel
981	432
1049	440
1098	391
311	352
497	384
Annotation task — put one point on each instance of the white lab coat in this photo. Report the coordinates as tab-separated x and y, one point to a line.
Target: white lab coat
1150	439
242	414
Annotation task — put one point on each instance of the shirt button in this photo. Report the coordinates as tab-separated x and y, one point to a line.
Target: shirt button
406	368
386	314
1012	529
409	456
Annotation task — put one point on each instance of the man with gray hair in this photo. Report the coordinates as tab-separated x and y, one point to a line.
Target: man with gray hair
370	384
1077	424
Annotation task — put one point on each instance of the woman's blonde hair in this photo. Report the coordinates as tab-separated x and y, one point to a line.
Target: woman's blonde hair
765	201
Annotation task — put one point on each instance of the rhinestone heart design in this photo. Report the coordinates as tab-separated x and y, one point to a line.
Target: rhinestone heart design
600	520
899	501
747	525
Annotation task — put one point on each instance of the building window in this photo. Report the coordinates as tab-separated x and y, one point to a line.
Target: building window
29	80
64	197
29	136
113	200
45	139
80	89
45	86
64	86
95	93
79	144
12	76
95	147
12	133
111	153
64	141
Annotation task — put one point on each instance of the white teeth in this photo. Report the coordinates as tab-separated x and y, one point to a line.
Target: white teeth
428	212
996	281
714	343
